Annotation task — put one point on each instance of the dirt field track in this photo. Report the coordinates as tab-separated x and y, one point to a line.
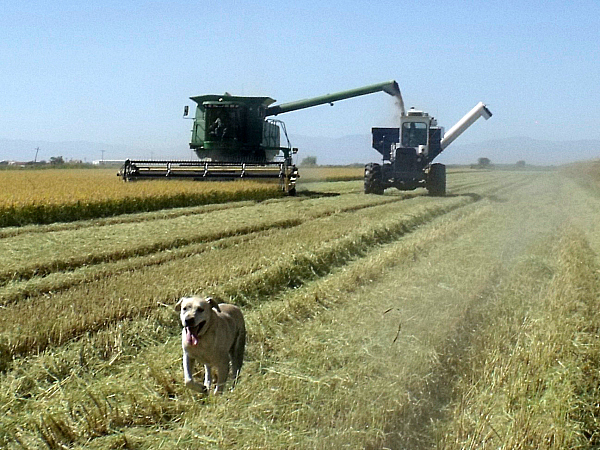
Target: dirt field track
395	321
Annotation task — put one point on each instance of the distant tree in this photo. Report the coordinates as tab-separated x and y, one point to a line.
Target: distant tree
520	163
484	162
55	160
309	161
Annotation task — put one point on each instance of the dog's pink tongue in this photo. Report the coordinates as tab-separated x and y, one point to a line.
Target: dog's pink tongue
189	336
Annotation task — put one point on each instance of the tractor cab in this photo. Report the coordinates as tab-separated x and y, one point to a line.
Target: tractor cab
224	121
416	131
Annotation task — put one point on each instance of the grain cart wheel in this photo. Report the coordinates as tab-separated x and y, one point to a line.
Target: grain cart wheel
436	180
373	179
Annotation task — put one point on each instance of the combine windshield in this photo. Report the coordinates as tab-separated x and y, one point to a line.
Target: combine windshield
223	122
414	134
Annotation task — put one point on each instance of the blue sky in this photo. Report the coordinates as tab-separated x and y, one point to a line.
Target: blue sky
119	72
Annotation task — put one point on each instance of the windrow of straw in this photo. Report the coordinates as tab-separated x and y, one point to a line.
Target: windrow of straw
532	377
27	255
586	174
312	250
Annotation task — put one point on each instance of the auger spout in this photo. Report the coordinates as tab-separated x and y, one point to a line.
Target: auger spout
469	119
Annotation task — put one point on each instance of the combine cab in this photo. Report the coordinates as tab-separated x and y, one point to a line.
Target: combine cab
234	137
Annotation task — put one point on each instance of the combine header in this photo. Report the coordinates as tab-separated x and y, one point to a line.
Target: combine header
234	137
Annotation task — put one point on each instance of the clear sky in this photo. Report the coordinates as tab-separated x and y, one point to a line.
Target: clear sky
120	72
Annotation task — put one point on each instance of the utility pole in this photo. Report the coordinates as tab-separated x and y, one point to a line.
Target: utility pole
37	149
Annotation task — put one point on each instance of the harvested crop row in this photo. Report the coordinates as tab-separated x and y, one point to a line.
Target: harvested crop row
60	281
317	245
123	218
538	382
143	346
25	256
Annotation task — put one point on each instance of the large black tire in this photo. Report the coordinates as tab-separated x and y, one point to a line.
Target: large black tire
373	179
436	180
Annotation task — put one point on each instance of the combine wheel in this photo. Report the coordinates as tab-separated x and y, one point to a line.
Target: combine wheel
373	179
436	180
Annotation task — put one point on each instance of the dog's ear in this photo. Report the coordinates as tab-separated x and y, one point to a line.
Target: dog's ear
213	303
178	304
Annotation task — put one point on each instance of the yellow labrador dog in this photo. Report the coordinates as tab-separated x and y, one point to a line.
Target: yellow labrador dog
214	335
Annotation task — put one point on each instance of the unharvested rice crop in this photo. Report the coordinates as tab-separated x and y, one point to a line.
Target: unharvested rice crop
61	195
331	173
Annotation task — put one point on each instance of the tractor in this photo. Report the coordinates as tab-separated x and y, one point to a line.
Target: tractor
408	151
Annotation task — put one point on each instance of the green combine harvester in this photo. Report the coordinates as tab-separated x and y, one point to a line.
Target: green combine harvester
235	137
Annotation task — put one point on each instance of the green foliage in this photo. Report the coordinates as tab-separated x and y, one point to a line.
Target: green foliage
484	162
309	161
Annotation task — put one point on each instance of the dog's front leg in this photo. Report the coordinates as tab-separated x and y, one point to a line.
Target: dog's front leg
188	377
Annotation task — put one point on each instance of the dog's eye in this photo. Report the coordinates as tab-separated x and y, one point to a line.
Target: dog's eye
200	310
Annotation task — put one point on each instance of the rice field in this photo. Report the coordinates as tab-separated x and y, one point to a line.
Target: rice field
394	321
62	195
326	173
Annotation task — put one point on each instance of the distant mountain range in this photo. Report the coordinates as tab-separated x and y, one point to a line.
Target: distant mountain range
328	151
532	151
357	149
